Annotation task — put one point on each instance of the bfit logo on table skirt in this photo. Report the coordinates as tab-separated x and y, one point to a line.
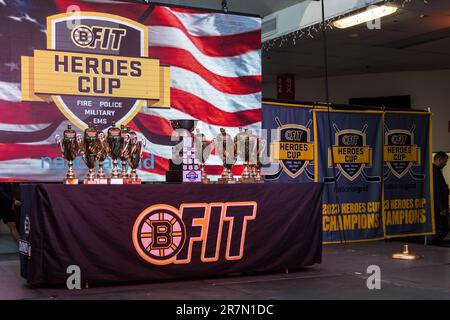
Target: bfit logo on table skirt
163	234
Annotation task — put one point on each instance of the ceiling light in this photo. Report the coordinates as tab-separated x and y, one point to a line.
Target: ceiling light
371	13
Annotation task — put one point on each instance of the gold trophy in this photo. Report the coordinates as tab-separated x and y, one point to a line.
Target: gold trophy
69	147
257	147
125	151
203	150
116	145
244	150
102	154
135	155
90	152
228	152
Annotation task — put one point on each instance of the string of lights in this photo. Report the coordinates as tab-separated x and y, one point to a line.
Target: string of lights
311	31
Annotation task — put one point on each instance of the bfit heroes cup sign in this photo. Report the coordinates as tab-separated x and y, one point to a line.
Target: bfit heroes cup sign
96	70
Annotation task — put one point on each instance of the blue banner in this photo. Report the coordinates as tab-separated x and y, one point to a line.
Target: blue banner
376	166
349	160
290	137
408	208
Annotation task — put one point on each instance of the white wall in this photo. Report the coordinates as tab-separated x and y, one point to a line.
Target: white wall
426	88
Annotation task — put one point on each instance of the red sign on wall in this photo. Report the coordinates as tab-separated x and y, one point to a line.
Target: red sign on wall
286	86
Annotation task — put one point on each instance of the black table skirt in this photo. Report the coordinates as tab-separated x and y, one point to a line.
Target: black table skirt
125	233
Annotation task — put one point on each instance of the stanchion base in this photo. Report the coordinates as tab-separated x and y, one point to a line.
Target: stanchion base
406	255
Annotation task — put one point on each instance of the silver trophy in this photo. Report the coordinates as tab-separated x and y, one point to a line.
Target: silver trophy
134	157
70	148
244	152
228	152
90	152
102	154
257	149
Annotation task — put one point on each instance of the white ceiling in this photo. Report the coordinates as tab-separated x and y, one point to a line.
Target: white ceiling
406	42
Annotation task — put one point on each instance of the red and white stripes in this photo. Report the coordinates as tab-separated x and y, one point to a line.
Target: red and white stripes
215	62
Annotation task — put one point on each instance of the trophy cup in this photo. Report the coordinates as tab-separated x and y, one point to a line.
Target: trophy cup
244	150
257	147
188	168
115	146
90	152
125	151
69	147
102	154
203	150
228	152
135	155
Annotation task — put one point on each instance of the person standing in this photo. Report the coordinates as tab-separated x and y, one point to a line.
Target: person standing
9	208
441	203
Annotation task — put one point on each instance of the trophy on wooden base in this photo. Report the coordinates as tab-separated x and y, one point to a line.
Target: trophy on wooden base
244	152
90	152
116	146
228	152
134	157
102	154
259	146
124	134
70	148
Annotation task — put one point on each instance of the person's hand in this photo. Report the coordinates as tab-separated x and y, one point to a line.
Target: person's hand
443	213
17	203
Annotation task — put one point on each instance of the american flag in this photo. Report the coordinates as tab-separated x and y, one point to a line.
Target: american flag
215	61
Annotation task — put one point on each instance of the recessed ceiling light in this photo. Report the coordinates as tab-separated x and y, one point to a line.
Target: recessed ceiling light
371	13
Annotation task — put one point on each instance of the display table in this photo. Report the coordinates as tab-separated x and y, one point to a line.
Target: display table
123	233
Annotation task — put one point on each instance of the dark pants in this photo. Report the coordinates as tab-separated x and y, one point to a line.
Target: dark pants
442	230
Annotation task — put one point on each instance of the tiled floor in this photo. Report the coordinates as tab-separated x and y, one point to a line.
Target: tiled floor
342	275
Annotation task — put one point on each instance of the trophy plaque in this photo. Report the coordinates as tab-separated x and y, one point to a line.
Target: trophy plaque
186	168
228	152
69	148
90	152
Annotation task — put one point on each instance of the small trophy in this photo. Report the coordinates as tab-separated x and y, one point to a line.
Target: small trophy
90	152
115	145
102	154
244	151
203	150
228	153
69	148
258	147
124	134
135	156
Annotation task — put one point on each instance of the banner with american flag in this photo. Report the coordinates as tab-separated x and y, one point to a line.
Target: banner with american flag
215	77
